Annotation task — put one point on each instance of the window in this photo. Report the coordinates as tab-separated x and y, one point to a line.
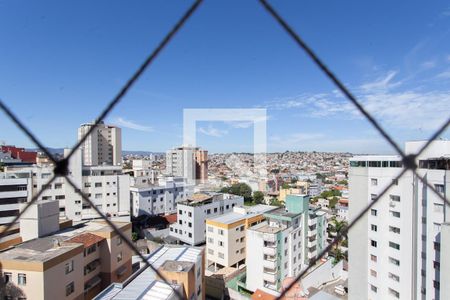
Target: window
394	261
436	284
210	229
70	288
189	214
373	288
373	258
373	243
8	277
190	224
58	186
439	188
189	234
394	245
22	279
373	196
119	241
210	240
394	229
395	214
221	255
119	257
98	196
394	277
373	181
436	265
394	198
436	246
242	239
221	231
285	240
373	227
373	273
98	184
220	243
373	212
394	293
211	251
208	211
69	267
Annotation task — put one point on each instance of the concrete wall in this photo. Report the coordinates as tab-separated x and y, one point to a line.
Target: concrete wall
323	274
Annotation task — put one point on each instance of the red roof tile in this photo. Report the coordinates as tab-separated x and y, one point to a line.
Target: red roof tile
171	218
87	239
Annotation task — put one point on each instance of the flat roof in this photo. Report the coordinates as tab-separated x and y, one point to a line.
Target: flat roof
251	211
146	285
266	228
282	212
38	250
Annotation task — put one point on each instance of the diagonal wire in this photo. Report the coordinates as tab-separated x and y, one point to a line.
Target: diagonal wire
434	136
31	202
431	187
25	130
122	236
123	91
330	74
340	235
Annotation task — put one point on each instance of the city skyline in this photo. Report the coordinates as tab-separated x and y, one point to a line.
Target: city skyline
397	66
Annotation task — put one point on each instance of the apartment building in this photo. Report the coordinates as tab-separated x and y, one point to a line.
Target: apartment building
317	233
182	266
193	212
73	263
225	236
278	245
13	191
395	249
159	199
103	146
106	185
188	162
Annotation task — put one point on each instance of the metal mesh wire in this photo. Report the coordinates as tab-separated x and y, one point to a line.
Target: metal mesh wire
61	166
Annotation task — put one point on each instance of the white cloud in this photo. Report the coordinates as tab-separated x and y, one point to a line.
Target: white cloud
211	131
429	64
381	83
121	122
400	108
444	75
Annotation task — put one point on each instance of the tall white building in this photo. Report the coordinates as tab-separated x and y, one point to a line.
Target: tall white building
103	146
188	162
395	249
13	191
106	186
193	212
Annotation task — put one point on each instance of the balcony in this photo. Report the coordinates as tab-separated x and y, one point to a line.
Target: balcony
270	276
312	222
270	238
272	251
270	264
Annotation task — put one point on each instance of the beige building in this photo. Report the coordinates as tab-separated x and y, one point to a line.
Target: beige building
225	236
201	165
102	146
73	263
301	188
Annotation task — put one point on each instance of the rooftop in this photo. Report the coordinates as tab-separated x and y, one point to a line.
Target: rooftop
242	213
87	239
145	284
177	266
281	212
266	228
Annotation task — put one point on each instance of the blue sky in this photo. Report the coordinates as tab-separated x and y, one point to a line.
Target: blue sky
62	61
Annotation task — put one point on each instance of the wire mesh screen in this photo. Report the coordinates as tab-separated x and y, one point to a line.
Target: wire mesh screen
61	166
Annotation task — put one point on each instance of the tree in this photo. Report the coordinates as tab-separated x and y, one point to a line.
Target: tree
285	186
134	236
343	182
258	197
276	202
240	189
338	255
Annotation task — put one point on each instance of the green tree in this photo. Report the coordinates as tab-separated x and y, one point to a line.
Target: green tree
343	182
276	202
258	197
134	236
285	186
240	189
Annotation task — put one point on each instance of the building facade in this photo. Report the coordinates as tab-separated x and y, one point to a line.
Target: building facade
13	191
159	199
395	249
193	212
73	263
225	236
188	162
102	146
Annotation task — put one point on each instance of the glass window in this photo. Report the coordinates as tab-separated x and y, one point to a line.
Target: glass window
22	279
70	288
69	267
